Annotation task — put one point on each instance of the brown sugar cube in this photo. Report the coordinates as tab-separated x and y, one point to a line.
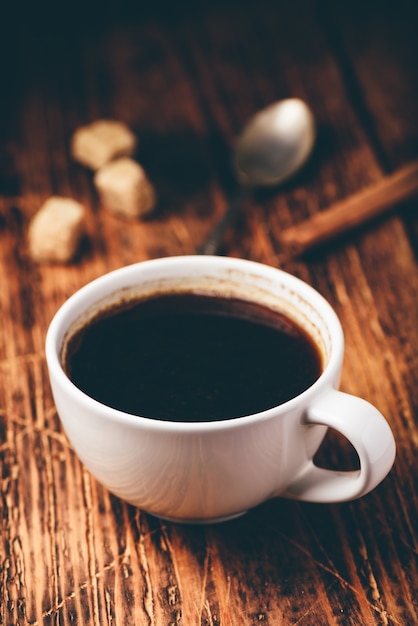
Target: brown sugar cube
55	230
102	141
124	188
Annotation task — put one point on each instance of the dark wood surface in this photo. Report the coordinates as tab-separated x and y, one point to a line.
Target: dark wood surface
186	78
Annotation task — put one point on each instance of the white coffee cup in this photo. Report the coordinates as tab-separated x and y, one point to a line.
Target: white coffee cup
212	471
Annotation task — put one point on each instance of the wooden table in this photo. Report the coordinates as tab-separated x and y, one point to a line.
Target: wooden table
186	79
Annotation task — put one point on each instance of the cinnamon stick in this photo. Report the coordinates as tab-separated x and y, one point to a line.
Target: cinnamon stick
351	212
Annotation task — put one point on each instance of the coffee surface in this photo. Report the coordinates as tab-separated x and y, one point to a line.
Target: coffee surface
193	358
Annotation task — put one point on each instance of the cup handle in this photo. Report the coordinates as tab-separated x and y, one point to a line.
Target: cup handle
369	433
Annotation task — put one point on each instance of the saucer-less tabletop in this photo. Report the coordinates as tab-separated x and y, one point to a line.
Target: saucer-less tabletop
186	80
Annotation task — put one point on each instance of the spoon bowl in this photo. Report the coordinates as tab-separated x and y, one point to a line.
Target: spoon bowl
272	147
275	143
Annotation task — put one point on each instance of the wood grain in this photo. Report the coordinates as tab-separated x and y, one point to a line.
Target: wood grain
186	80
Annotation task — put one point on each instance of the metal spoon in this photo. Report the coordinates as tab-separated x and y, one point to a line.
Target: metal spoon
272	147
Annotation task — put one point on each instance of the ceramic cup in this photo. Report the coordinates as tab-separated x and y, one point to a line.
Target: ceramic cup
212	471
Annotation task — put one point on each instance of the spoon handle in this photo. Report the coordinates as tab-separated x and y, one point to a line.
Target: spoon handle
213	241
351	212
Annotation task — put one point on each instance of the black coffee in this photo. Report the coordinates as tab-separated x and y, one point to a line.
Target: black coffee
186	357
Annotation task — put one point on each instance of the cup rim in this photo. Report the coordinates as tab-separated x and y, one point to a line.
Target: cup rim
64	316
